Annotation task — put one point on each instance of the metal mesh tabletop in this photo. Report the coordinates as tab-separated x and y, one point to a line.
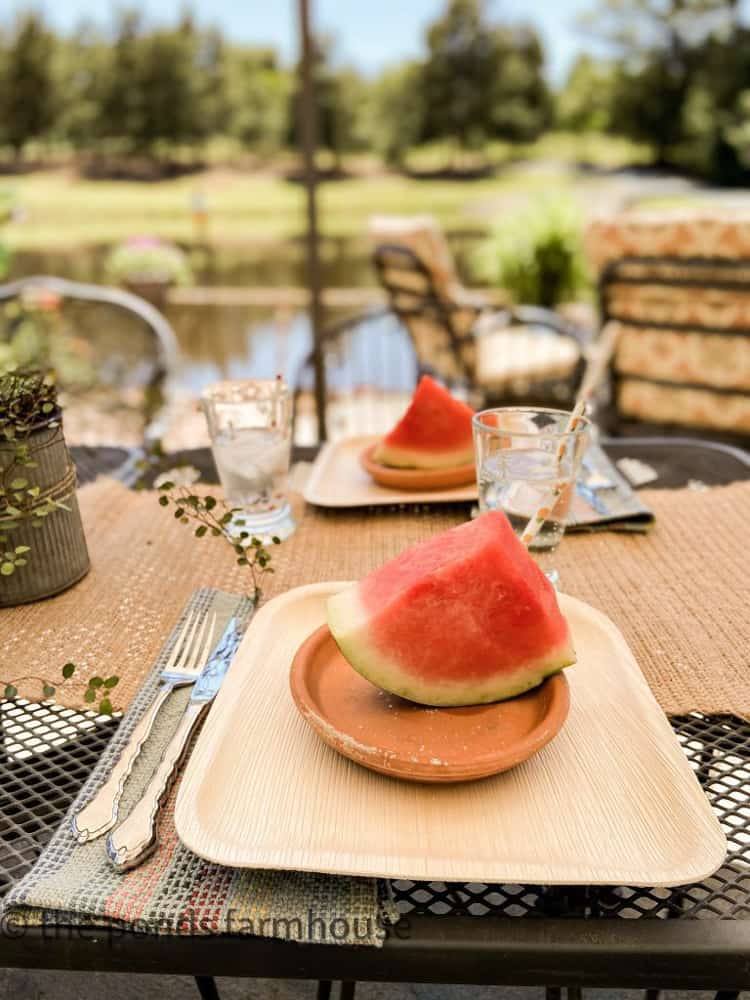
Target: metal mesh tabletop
47	752
718	749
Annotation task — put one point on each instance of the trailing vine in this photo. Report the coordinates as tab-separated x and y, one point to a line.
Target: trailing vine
97	688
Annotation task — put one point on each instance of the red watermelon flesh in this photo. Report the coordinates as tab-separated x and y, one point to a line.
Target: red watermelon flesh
434	433
464	618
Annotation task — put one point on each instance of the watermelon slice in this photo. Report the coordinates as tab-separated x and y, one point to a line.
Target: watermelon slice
465	618
434	433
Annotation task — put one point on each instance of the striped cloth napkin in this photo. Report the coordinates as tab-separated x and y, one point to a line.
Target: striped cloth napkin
174	891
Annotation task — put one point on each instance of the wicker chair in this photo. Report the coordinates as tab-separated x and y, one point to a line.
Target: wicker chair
130	347
680	291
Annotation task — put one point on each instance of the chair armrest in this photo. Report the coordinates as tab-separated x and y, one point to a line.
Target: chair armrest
331	333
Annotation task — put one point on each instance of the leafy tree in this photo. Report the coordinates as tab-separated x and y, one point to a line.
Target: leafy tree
394	112
211	65
520	106
258	95
722	86
481	81
681	70
586	101
165	85
339	94
458	74
83	60
169	89
29	96
648	104
120	102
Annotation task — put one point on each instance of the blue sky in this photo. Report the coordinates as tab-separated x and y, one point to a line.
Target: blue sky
370	33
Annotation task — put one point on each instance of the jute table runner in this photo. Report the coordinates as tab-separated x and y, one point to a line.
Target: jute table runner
679	594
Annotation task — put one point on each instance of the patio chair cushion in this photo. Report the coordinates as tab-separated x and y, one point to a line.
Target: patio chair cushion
424	237
681	291
506	356
686	236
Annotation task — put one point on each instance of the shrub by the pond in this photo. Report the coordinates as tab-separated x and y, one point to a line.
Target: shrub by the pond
536	254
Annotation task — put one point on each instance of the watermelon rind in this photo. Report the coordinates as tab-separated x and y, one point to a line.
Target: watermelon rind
348	622
403	458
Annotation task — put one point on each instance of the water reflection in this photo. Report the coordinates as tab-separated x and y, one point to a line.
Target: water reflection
372	364
222	342
345	262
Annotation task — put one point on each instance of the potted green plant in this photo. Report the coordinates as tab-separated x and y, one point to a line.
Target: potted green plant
148	266
42	544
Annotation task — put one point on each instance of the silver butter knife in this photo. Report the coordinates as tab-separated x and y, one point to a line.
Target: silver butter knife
592	498
136	837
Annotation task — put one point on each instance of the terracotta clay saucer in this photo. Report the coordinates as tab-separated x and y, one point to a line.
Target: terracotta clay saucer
416	479
416	742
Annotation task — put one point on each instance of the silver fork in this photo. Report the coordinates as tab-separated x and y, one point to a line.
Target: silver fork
185	663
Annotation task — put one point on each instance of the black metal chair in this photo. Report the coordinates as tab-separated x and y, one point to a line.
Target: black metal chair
520	354
129	346
682	360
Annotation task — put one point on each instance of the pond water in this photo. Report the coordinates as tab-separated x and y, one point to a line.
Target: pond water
346	263
237	341
219	342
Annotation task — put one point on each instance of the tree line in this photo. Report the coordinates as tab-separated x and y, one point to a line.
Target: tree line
677	79
144	88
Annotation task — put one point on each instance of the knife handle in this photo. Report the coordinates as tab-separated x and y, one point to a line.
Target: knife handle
135	838
100	814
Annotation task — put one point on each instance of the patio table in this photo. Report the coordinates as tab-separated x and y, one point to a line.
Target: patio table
691	937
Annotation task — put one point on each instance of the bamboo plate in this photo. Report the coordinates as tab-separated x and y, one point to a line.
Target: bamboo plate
416	742
416	479
611	800
338	479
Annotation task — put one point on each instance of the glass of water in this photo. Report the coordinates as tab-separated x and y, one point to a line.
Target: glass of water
250	425
523	456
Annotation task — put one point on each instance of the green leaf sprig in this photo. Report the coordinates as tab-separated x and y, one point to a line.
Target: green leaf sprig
211	518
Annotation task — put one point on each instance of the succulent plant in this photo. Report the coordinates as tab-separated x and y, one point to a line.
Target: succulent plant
27	399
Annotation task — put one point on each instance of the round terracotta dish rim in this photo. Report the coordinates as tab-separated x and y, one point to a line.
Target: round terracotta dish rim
554	688
416	479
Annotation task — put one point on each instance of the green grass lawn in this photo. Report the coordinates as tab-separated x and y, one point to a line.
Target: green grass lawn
60	209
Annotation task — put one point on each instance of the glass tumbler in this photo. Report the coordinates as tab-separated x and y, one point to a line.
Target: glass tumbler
526	459
250	426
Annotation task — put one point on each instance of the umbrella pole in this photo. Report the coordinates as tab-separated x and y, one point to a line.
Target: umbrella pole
308	120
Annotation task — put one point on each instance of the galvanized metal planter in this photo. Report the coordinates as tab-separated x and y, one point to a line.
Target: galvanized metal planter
58	556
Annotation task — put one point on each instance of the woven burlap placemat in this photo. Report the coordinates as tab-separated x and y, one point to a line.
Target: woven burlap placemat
677	594
144	567
174	891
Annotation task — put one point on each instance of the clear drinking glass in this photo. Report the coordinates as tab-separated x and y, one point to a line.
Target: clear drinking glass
250	425
522	455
